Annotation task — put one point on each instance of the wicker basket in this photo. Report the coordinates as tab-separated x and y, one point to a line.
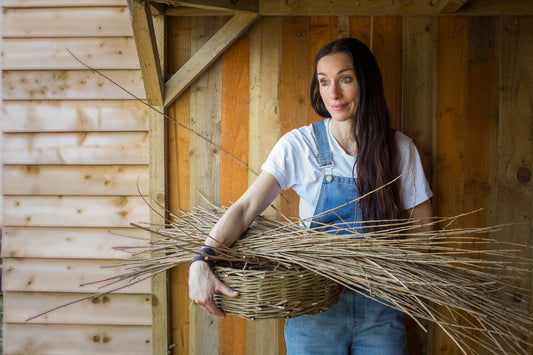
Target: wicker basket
284	293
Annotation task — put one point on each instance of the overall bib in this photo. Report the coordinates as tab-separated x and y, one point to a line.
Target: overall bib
356	324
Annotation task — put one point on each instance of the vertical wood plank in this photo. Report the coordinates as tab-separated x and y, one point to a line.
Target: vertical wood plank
515	127
481	125
233	176
360	28
418	65
293	89
160	291
265	47
387	48
322	30
450	163
178	142
418	87
205	106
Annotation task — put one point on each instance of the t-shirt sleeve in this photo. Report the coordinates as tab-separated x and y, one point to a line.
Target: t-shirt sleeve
414	187
280	162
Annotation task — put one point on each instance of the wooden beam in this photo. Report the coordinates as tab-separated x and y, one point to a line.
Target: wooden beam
235	6
194	11
395	8
206	55
143	30
450	6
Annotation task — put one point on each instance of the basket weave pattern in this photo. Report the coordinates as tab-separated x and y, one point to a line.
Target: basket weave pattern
276	293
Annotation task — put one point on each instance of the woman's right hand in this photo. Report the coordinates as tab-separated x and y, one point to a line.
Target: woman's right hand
203	284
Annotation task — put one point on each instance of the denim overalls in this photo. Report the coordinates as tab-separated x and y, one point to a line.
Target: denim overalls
356	324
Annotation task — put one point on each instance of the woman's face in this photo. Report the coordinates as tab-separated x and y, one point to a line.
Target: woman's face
338	86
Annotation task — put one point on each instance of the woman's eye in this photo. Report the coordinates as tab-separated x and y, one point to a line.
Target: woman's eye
323	82
347	79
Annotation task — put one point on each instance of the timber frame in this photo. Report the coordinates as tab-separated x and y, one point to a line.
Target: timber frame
148	33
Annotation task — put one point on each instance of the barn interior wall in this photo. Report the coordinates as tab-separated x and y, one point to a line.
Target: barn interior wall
460	87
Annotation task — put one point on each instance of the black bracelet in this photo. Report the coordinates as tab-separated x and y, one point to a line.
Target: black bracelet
203	255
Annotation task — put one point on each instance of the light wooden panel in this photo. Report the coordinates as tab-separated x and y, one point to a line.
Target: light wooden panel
293	90
74	116
179	29
72	85
265	57
49	339
66	22
110	309
63	275
78	211
233	176
74	243
61	3
205	118
75	180
53	53
76	148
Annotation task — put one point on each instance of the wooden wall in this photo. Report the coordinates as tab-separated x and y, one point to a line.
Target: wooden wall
75	164
461	87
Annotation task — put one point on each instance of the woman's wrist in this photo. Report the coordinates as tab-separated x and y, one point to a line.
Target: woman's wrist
204	254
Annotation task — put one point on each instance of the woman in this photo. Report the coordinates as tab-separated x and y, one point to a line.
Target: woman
349	154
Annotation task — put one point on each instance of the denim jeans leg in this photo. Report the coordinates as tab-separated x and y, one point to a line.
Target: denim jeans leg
326	333
380	331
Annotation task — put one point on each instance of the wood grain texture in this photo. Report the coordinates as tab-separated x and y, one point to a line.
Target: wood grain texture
111	309
66	22
76	148
50	339
418	93
386	44
46	180
74	211
74	116
178	143
63	275
72	85
234	176
293	90
71	243
205	115
265	58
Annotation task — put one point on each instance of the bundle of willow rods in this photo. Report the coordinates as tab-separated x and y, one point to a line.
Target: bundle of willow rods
457	278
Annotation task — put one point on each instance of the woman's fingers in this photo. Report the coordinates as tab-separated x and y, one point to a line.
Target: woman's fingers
203	284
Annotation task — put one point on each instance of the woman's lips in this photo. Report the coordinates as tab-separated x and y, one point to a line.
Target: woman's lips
338	107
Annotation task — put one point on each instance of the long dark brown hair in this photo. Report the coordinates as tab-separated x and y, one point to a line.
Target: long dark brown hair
376	147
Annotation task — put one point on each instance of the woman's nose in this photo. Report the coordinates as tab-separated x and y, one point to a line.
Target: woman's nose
334	91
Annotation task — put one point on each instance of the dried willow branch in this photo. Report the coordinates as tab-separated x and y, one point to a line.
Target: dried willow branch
432	276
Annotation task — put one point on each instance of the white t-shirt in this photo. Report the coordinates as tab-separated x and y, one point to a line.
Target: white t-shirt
293	163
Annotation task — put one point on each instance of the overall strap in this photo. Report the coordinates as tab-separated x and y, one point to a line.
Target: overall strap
325	158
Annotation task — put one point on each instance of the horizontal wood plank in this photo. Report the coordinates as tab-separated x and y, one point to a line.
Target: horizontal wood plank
74	116
76	148
63	275
61	3
106	180
72	243
110	309
46	339
74	211
53	53
67	22
72	85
